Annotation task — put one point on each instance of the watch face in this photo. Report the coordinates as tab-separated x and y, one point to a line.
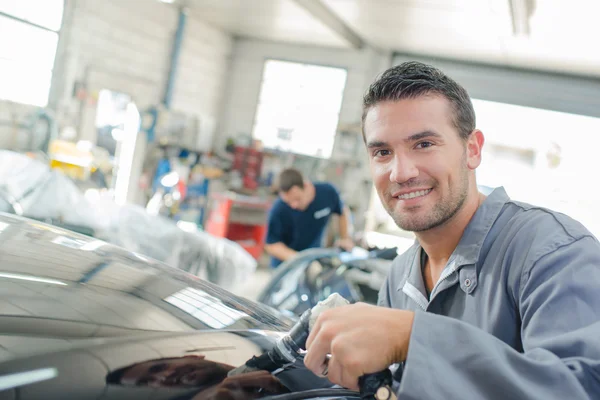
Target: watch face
383	393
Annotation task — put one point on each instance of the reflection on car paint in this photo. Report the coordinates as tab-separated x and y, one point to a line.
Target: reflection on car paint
97	317
206	308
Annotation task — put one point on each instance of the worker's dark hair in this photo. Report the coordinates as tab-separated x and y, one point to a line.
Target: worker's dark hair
413	79
289	178
115	377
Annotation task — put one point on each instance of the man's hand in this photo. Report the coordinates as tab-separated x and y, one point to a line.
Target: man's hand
362	339
345	244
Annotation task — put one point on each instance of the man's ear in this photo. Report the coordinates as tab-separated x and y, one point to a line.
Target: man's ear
474	148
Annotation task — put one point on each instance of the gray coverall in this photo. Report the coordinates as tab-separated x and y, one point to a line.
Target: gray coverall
515	314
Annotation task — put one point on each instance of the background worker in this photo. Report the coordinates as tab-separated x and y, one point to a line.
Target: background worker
298	218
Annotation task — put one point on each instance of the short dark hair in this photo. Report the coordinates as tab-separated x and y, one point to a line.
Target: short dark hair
115	377
412	79
289	178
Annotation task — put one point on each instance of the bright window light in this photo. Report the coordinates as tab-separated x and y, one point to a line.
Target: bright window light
208	309
541	157
46	13
92	246
299	107
26	63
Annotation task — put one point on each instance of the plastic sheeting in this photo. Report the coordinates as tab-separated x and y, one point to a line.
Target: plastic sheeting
48	195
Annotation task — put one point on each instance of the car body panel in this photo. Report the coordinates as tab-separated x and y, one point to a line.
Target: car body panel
83	310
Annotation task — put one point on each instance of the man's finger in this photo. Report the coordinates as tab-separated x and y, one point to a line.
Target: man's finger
348	380
314	331
334	371
317	353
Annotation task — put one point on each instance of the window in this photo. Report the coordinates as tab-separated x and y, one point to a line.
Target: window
28	41
542	157
299	106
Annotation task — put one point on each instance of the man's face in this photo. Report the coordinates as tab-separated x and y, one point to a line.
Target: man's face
170	372
420	165
295	198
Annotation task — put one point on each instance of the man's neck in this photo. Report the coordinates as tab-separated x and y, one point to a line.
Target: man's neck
310	192
439	243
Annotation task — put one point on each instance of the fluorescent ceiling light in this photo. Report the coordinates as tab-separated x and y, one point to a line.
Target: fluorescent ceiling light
31	278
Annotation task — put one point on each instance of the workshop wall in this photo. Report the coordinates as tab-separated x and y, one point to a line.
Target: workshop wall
114	45
201	76
121	46
12	117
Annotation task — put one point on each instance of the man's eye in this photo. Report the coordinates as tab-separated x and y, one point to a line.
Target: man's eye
381	153
423	145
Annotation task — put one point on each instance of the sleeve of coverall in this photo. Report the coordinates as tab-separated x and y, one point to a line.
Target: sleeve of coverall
559	306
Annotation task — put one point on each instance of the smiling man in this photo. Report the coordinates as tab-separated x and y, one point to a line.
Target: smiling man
497	299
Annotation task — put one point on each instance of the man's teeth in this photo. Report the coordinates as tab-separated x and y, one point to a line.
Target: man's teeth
412	195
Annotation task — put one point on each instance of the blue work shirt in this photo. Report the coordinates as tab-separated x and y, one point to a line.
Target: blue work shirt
301	230
514	315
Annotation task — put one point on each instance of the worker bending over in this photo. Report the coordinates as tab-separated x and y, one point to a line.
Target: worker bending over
300	215
497	299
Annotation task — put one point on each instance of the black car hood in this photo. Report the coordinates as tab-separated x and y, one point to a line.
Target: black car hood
118	368
74	310
47	272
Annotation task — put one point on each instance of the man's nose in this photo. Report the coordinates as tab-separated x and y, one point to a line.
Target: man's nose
403	169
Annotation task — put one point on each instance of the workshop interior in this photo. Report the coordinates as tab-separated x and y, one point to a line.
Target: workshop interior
142	146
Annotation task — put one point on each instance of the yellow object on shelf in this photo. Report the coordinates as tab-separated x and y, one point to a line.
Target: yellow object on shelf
74	160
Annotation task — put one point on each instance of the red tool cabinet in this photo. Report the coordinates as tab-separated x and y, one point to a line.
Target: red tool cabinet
242	219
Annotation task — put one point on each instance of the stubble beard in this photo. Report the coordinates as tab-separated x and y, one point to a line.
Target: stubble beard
442	212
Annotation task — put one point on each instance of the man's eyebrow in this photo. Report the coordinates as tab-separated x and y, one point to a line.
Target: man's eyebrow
376	143
422	135
411	138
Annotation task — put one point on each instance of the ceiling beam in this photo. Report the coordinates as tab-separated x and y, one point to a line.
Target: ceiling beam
331	20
